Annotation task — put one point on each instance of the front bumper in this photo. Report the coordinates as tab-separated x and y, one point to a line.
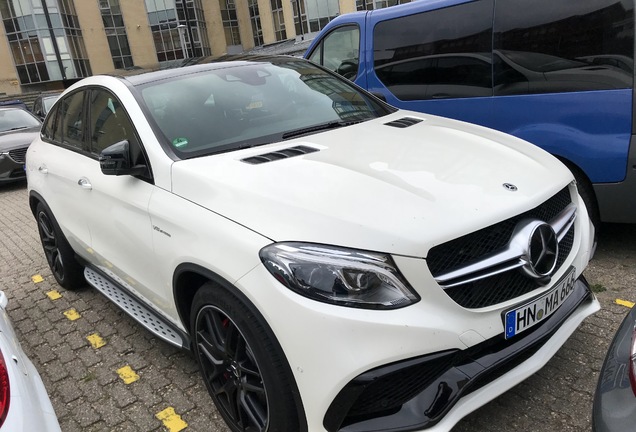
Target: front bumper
418	393
10	170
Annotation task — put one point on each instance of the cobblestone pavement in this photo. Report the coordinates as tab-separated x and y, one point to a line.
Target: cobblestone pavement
88	393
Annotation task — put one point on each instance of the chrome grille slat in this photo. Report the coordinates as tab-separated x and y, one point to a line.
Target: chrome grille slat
503	280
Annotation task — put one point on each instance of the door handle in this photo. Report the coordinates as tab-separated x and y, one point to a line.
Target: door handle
43	169
85	183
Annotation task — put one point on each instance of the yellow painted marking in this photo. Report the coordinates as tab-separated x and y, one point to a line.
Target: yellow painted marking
127	375
54	295
624	303
37	278
72	314
171	420
96	340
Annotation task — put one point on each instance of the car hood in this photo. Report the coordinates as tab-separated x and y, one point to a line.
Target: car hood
19	138
377	187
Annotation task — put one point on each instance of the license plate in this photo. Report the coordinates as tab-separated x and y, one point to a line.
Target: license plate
530	314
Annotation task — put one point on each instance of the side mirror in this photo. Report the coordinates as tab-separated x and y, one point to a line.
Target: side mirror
115	160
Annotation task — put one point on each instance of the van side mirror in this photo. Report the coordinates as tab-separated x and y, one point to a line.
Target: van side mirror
115	160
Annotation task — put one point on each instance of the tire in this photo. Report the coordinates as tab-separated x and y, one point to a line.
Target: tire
586	191
60	256
243	366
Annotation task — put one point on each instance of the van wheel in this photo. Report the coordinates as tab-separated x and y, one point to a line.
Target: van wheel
60	256
243	366
586	191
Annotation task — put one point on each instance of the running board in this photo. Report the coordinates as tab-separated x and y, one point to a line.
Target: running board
137	310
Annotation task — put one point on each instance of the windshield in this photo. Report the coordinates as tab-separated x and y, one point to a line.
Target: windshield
252	104
15	119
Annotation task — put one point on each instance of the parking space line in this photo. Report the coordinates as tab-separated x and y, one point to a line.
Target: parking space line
96	340
37	278
54	295
127	375
624	303
72	314
171	420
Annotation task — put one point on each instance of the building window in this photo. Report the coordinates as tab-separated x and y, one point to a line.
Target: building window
116	33
230	22
178	28
320	12
45	40
377	4
279	19
300	17
255	18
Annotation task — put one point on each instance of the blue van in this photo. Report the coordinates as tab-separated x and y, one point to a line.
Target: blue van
558	73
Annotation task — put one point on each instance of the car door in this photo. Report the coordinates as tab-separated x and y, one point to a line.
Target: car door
119	222
61	165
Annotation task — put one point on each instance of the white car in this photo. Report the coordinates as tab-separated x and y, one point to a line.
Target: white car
335	264
24	403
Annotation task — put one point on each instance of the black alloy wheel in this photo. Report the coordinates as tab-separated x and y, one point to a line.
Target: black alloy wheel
229	367
243	365
50	246
59	254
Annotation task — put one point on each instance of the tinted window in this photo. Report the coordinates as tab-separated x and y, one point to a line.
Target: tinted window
339	51
69	125
109	123
563	46
443	53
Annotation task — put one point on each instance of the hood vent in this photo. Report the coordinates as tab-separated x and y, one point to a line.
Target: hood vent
404	122
279	154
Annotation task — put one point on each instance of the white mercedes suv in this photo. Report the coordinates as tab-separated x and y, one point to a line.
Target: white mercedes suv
334	264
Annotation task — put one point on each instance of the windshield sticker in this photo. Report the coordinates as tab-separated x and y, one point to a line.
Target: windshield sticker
180	142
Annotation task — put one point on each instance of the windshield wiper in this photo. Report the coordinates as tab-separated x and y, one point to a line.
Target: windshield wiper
16	128
317	128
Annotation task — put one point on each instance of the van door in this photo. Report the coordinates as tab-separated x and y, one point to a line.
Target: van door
339	51
437	61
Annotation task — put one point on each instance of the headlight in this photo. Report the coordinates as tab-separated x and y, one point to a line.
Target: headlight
345	277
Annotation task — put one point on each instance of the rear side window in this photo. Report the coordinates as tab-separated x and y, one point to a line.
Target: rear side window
444	53
69	121
563	46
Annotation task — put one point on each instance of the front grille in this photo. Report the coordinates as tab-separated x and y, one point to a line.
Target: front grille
507	285
18	155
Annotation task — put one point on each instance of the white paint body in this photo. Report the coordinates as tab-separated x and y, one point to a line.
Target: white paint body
370	187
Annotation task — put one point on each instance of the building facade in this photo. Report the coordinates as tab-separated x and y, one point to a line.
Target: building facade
50	44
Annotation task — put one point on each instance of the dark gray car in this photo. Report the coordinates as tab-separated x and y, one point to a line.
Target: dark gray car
615	398
18	128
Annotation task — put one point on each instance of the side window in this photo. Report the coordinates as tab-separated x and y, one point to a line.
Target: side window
444	53
109	123
49	126
585	45
339	51
69	121
37	107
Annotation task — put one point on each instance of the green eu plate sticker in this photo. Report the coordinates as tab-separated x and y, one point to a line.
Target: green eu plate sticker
180	142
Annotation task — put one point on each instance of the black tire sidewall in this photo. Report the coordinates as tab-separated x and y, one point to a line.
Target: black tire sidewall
73	277
274	369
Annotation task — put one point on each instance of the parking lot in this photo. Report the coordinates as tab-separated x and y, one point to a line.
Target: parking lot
104	372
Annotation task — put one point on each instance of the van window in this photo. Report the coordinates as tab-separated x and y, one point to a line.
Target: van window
339	51
552	47
445	53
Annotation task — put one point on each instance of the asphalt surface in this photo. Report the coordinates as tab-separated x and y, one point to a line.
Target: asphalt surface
104	372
